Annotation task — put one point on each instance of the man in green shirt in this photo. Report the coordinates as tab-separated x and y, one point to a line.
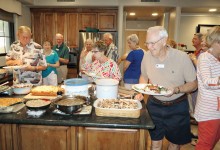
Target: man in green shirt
63	53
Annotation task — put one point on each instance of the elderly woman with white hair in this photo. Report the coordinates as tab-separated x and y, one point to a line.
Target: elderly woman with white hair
86	55
132	64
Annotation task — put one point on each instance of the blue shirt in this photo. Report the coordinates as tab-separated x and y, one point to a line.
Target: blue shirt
51	59
133	72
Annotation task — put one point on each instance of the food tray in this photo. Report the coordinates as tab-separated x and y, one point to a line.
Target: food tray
112	112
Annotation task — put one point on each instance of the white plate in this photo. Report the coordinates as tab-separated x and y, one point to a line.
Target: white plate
140	88
92	74
14	67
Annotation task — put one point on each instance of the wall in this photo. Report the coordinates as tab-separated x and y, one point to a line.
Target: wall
139	24
188	25
12	6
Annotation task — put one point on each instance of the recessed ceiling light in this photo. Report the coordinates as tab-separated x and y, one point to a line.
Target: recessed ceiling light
154	14
132	14
212	10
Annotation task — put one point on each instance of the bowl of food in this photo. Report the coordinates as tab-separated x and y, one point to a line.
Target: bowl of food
38	104
22	88
69	105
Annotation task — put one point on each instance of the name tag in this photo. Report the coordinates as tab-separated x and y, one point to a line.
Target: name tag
159	66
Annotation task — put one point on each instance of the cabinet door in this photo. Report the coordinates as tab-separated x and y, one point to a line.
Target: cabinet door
49	27
6	137
72	30
60	23
37	26
107	21
37	137
111	139
87	20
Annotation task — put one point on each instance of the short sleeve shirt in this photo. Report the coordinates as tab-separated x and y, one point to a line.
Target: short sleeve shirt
62	51
133	72
174	71
51	59
31	54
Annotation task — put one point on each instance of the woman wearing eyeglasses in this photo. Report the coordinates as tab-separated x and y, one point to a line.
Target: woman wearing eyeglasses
102	67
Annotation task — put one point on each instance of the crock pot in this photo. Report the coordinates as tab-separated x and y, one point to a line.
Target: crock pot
107	88
76	86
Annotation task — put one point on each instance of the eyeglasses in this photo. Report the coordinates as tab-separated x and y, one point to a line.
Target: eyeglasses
152	43
95	52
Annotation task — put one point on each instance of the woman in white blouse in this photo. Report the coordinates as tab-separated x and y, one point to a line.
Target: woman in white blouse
207	111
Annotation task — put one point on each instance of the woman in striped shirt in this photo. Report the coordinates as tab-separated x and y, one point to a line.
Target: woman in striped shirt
207	111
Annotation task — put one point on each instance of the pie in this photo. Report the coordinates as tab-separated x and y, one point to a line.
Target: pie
5	102
46	90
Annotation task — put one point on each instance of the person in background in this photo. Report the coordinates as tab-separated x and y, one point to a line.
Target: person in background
86	55
172	43
171	68
196	41
132	64
26	53
63	53
50	74
112	51
207	110
102	66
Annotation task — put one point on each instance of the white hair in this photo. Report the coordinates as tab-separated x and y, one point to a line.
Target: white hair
160	29
109	35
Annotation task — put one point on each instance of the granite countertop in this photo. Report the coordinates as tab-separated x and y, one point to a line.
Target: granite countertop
91	120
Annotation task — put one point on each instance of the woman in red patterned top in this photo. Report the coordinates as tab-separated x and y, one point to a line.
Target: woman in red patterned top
102	67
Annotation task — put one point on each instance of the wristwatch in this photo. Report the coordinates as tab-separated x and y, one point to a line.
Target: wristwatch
177	90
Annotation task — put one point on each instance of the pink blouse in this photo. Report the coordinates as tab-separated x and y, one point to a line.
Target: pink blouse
109	69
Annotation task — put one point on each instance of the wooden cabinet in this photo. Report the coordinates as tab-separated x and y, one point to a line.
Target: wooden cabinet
49	27
47	22
87	20
107	21
72	29
111	139
37	26
6	137
37	137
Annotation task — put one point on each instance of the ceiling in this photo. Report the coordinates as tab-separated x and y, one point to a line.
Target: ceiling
144	13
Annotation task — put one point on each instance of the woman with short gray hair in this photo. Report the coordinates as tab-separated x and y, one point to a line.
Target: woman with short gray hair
132	64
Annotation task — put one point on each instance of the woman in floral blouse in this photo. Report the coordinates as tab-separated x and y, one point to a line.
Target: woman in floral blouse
102	67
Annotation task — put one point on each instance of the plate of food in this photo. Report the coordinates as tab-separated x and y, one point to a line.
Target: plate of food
14	67
151	89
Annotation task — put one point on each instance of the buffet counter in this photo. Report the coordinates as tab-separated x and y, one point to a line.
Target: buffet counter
22	131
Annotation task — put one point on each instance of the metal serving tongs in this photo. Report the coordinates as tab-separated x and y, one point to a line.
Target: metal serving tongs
4	83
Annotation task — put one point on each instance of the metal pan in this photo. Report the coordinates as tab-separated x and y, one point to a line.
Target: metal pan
70	105
37	105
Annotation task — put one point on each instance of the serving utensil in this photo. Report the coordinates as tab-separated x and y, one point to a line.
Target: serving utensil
4	83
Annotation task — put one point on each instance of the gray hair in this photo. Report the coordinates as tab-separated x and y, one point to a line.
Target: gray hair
89	40
109	35
199	35
133	38
213	35
162	31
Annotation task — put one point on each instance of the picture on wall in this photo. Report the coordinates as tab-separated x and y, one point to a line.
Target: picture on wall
203	28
